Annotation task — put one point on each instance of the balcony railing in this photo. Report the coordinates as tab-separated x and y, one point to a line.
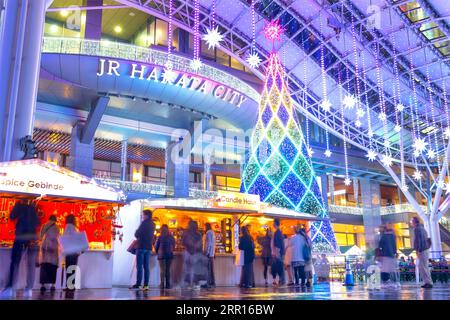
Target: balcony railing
395	209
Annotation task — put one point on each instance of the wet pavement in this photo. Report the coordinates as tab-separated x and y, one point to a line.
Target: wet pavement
322	291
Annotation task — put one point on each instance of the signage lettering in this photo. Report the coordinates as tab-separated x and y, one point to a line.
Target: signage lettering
155	73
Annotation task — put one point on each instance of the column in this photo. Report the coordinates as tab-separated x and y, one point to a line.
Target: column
123	160
177	169
371	201
81	154
331	188
94	20
11	42
29	74
207	176
356	190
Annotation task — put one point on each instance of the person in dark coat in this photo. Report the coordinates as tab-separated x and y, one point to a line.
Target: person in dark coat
422	247
266	253
26	239
278	252
247	245
388	251
144	237
165	244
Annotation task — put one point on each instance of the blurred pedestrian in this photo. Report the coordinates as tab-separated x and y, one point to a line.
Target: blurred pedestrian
422	246
165	244
388	253
288	259
49	254
278	252
192	242
144	237
24	213
266	253
209	250
247	245
71	260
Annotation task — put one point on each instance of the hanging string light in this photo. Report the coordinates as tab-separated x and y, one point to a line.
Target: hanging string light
347	180
382	116
359	111
305	97
398	105
413	106
196	62
213	37
169	76
253	58
371	154
325	105
447	112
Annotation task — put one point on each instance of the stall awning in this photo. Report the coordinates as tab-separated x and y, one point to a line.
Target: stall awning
229	202
40	178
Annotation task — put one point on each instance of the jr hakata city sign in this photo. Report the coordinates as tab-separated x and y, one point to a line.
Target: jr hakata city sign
108	67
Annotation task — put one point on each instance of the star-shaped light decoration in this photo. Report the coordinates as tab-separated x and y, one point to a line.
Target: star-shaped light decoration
360	113
417	175
358	123
310	151
196	64
397	128
253	60
325	105
347	181
213	37
420	145
405	188
400	107
387	160
431	154
416	153
370	133
387	143
447	133
371	155
169	76
447	187
349	101
273	30
441	184
382	116
327	153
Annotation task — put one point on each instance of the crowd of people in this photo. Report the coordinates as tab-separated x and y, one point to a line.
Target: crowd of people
42	248
289	259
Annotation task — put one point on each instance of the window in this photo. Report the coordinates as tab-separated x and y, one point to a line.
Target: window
345	239
154	174
228	183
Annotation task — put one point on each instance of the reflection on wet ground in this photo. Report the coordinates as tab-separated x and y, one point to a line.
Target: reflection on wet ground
322	291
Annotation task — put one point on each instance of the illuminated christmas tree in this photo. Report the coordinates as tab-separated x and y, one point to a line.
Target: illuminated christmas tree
278	168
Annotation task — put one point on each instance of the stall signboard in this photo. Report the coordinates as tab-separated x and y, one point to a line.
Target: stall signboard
44	178
235	200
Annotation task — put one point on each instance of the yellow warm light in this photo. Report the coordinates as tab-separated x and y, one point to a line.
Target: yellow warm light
117	29
54	28
64	13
